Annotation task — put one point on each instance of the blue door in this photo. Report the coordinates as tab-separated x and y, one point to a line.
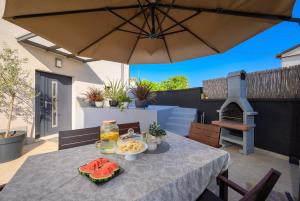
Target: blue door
53	104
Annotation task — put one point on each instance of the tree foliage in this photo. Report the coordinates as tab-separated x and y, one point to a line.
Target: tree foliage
173	83
153	85
16	92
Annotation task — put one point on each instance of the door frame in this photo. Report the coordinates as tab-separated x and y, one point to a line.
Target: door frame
37	109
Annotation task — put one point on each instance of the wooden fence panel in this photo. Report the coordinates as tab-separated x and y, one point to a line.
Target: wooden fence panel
275	83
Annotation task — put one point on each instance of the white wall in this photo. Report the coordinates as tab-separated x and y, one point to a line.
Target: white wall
291	58
92	117
290	61
83	75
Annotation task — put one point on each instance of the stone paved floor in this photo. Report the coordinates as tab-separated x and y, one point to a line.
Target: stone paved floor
8	169
248	170
245	170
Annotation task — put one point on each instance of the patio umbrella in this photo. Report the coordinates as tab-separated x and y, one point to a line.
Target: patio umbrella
147	31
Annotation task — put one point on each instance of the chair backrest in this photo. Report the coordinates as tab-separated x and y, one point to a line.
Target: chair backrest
2	186
123	128
261	191
79	137
205	133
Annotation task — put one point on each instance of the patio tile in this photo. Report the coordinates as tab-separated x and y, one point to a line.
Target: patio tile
8	169
247	170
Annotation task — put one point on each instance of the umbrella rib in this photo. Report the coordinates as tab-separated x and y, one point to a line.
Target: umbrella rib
164	39
153	19
136	42
146	19
133	32
180	22
108	33
74	11
173	32
168	10
128	21
188	30
222	11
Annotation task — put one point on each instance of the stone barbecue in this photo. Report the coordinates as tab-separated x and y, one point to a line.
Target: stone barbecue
236	116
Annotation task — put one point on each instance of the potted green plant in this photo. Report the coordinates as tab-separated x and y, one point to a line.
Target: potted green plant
16	98
124	100
95	97
112	91
156	131
143	94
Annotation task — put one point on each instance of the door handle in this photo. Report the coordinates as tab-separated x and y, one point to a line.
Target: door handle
46	103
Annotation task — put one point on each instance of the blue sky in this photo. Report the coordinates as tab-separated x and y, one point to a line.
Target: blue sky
257	53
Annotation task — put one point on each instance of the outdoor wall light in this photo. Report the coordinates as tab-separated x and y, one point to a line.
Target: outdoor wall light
58	63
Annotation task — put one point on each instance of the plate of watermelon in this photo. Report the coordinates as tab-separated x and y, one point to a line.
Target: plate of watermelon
100	170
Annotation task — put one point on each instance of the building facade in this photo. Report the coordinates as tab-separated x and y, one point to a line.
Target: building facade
60	81
290	57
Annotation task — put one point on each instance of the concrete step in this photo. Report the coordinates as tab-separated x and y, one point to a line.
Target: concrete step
179	119
185	110
177	132
183	115
178	128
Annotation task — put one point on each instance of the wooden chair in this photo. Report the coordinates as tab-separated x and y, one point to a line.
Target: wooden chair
205	133
123	128
80	137
2	186
259	192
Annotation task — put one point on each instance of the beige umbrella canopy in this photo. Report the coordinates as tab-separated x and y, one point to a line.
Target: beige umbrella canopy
147	31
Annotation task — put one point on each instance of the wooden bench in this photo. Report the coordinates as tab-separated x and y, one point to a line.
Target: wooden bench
80	137
205	133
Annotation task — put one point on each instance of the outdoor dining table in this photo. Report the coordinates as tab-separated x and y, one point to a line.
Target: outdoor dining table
180	169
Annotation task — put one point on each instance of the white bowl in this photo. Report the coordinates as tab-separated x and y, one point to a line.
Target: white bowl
132	156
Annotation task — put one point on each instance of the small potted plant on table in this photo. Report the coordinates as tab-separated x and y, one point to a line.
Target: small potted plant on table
156	131
95	97
16	97
143	94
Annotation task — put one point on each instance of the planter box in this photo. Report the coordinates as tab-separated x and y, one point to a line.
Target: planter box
11	148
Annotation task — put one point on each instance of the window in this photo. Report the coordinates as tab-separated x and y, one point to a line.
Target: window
54	103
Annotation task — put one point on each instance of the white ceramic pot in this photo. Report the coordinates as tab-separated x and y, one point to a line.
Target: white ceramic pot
99	103
125	104
158	140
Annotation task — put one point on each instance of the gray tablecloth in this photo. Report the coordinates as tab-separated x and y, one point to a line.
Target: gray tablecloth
180	173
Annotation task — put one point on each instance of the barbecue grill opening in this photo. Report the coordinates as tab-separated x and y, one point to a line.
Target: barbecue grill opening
233	112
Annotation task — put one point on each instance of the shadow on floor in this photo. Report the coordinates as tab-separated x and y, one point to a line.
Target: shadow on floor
29	147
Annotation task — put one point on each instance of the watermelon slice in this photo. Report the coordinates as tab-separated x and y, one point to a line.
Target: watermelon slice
92	166
101	175
101	161
87	168
114	167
